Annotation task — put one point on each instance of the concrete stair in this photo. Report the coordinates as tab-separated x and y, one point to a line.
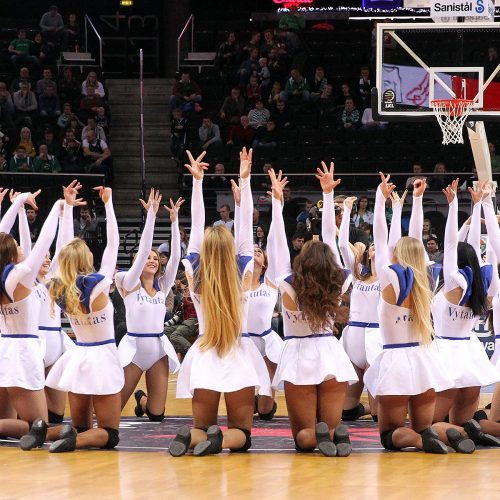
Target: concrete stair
161	169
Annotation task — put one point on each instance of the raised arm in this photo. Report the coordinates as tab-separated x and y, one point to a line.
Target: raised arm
464	230
245	236
237	201
474	238
24	233
9	218
344	246
491	221
168	278
108	263
395	229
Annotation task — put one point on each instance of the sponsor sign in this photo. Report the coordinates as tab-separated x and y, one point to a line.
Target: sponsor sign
461	8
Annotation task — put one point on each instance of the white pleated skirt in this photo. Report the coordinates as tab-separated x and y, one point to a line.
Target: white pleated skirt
56	344
269	345
242	367
362	344
495	358
312	360
93	370
467	362
21	363
407	371
146	351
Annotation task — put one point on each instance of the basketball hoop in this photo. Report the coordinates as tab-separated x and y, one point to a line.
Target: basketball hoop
451	115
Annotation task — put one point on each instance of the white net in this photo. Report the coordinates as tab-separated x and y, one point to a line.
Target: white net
451	115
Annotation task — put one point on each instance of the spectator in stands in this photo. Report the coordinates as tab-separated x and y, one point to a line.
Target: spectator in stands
282	116
225	217
259	115
438	182
45	162
185	93
20	49
85	225
266	140
6	105
21	162
242	135
49	105
253	43
26	142
92	125
345	93
24	77
364	88
277	65
349	119
228	54
67	113
26	104
34	223
255	217
43	51
368	230
52	24
363	213
253	91
91	81
326	102
50	140
291	207
90	102
97	155
296	86
274	95
432	247
71	153
233	107
218	181
369	124
184	241
264	76
44	82
209	134
417	170
304	215
318	83
491	63
69	88
292	20
102	119
178	131
298	240
495	159
355	234
76	125
71	34
4	164
260	239
249	67
268	43
427	231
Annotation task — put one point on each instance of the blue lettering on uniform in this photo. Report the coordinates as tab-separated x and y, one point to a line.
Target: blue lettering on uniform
455	314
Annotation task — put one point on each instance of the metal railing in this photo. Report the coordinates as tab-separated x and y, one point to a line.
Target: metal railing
189	22
99	38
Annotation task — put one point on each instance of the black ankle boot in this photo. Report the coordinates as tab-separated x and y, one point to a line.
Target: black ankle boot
180	444
66	441
35	437
459	443
342	441
212	445
325	445
473	429
138	395
431	442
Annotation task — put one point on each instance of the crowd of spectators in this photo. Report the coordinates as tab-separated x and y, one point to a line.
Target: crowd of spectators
51	121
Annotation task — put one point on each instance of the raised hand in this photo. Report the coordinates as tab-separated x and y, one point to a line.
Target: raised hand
451	191
196	167
385	186
476	195
174	208
236	192
396	199
154	201
349	202
3	193
278	183
325	177
487	189
419	187
70	193
13	195
245	163
104	193
31	201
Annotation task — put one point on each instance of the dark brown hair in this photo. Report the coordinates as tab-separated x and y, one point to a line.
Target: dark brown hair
317	281
8	251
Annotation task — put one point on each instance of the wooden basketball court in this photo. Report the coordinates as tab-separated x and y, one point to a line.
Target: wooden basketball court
370	473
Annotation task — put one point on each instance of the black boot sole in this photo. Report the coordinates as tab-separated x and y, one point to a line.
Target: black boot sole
342	441
35	437
212	445
138	395
63	445
432	444
459	443
325	445
473	429
180	444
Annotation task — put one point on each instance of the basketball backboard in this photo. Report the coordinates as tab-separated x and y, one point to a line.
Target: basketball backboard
418	62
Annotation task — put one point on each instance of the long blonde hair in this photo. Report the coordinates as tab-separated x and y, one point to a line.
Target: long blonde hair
409	252
73	260
218	282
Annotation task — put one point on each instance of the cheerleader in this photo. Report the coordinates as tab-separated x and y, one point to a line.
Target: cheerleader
455	309
145	348
90	373
221	360
361	337
406	375
262	299
313	365
21	352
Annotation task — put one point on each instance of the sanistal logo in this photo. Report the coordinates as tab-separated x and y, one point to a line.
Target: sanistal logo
458	8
